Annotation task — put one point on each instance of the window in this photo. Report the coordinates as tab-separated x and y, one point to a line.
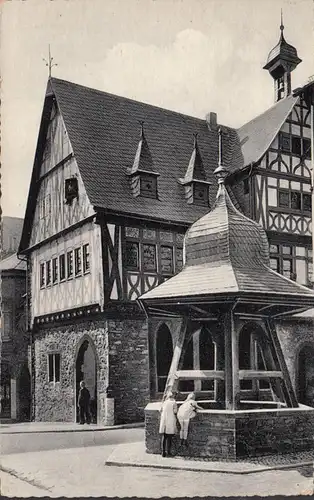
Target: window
296	146
54	368
131	255
42	275
149	257
69	264
200	194
148	186
282	260
6	323
179	258
166	258
48	272
54	270
307	148
295	200
284	199
62	267
70	189
307	202
284	142
77	261
86	262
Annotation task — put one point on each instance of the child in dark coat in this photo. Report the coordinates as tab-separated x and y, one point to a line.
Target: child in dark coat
83	402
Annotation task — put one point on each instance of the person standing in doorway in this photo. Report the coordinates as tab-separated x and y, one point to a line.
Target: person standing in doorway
187	411
168	423
83	402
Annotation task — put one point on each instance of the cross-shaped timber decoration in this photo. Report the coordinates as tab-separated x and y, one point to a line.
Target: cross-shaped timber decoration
49	63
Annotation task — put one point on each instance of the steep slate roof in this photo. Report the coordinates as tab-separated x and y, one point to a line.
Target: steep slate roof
11	233
104	133
225	252
257	135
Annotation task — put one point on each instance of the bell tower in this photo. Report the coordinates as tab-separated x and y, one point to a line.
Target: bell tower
281	61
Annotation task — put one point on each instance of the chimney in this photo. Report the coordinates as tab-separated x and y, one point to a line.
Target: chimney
211	119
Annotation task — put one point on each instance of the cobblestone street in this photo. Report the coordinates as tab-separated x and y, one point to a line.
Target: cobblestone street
81	472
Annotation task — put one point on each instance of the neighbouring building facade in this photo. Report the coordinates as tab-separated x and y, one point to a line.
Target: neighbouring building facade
15	374
115	185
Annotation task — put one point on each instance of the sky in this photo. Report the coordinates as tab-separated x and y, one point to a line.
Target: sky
191	56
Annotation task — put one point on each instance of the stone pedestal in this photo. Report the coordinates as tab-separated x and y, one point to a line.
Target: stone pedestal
228	435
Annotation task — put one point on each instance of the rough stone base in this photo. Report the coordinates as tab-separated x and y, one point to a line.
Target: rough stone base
225	435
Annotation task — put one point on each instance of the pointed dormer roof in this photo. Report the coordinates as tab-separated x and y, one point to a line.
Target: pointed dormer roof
143	161
227	254
195	170
283	52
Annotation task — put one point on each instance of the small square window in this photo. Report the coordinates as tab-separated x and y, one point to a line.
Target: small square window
70	189
200	194
179	259
287	250
148	186
273	248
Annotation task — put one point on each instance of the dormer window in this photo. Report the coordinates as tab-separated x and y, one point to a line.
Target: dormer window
142	175
200	195
194	182
148	186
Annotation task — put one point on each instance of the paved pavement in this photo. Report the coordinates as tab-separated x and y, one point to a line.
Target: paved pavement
61	462
38	427
82	472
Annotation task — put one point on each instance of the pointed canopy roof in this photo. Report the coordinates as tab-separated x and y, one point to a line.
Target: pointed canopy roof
195	170
143	161
227	253
283	52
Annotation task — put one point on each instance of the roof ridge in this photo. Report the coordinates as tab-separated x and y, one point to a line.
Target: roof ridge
101	92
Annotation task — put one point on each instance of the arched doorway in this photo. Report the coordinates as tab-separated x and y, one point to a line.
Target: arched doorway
86	370
164	353
306	375
24	394
5	388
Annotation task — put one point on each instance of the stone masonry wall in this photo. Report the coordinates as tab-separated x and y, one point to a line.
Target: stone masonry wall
128	368
56	402
293	336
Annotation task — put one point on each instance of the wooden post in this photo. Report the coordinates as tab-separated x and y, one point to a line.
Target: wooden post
232	385
291	398
171	380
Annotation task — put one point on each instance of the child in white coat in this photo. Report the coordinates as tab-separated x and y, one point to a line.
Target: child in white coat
187	411
168	423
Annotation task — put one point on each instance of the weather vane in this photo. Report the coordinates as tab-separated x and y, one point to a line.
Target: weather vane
49	63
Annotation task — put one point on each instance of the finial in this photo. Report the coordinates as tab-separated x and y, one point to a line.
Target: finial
221	172
49	63
281	23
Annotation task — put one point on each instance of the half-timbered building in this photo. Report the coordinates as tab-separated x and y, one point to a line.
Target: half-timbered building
115	185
